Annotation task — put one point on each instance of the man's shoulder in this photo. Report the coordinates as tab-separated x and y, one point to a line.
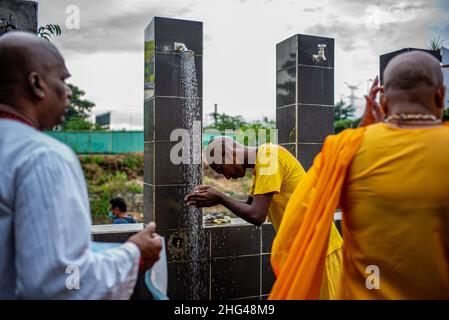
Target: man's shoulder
25	142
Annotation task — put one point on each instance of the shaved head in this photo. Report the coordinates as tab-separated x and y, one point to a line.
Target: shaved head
32	79
22	53
412	70
227	157
413	84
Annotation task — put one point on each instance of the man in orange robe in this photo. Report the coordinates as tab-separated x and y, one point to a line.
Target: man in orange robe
389	179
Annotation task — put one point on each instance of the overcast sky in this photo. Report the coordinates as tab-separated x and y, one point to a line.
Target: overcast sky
105	56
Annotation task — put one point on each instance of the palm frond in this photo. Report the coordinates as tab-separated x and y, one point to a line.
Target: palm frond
436	43
48	31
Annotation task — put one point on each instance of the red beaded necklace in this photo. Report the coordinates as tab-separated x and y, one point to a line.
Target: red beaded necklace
7	115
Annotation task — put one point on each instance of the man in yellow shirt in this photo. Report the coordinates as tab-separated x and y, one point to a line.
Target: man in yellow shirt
276	173
389	179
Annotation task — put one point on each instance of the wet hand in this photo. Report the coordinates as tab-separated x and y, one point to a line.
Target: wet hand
204	196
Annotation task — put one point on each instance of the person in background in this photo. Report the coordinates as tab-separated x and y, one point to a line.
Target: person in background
117	212
45	218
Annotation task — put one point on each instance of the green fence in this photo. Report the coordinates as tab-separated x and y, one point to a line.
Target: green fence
113	142
101	142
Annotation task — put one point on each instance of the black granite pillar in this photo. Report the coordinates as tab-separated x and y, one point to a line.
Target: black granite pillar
227	262
18	15
304	94
165	184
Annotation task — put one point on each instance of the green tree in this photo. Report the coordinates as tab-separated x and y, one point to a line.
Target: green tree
341	125
225	121
343	111
265	123
344	117
80	124
78	110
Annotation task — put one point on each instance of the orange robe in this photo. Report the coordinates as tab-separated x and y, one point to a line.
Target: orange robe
300	247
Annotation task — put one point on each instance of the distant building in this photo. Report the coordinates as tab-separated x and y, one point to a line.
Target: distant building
104	120
445	60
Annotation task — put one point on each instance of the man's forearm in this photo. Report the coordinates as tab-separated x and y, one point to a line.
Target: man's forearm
242	209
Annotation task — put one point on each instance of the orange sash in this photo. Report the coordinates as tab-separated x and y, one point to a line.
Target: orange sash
301	243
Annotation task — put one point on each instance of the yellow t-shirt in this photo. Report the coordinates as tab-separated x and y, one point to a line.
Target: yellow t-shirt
395	224
278	171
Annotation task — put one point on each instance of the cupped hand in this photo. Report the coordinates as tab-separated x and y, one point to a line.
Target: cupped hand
373	111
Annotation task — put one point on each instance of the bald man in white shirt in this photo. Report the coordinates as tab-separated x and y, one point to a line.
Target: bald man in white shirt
44	208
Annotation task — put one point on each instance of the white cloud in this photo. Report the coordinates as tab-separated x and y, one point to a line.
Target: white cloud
106	55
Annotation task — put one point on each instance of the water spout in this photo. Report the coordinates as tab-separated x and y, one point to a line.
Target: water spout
181	48
320	56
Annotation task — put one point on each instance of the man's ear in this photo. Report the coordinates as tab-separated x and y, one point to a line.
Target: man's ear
440	95
36	85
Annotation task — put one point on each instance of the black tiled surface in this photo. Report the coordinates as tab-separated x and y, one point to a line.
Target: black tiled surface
315	85
113	237
286	53
170	209
141	291
236	277
306	154
286	124
285	87
168	75
267	274
268	234
166	172
385	58
148	203
23	15
168	31
186	283
308	46
185	244
149	76
170	115
291	148
233	241
315	123
148	163
148	122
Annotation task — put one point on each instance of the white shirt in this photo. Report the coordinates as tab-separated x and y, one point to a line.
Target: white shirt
45	225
